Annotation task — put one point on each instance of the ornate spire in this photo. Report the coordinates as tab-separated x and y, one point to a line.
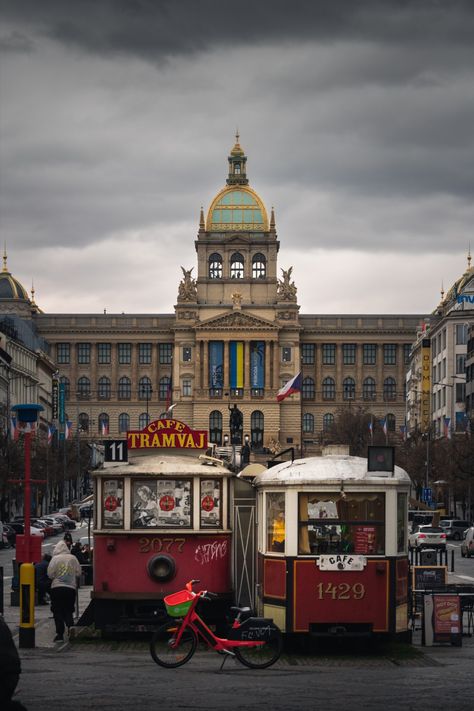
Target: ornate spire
5	268
201	219
272	219
469	257
32	293
442	291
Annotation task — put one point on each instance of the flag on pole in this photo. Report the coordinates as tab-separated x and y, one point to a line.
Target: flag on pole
14	434
371	428
292	386
168	395
403	430
51	431
384	425
68	429
105	428
447	429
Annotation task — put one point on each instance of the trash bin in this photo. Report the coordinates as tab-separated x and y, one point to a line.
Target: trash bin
428	556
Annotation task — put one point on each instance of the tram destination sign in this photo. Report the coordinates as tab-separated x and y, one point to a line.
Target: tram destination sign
341	562
167	434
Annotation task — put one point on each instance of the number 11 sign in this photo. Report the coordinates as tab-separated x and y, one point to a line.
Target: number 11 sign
116	450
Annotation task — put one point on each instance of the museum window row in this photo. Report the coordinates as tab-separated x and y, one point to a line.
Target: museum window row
125	353
351	353
122	391
331	391
310	424
236	268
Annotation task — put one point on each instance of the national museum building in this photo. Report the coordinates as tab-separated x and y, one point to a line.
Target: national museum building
236	337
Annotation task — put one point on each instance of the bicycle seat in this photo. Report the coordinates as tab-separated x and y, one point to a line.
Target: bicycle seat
241	609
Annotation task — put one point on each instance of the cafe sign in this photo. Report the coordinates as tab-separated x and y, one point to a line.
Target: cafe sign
167	434
341	562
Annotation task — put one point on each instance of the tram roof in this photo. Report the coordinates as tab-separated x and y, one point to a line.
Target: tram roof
166	465
325	469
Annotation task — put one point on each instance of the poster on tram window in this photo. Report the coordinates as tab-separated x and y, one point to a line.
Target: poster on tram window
112	503
364	540
163	503
210	503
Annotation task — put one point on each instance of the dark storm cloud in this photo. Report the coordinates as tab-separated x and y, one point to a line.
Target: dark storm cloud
155	29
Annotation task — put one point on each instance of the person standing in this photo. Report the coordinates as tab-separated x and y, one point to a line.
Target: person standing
64	571
42	581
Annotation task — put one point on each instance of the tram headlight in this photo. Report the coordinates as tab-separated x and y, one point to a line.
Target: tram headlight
161	568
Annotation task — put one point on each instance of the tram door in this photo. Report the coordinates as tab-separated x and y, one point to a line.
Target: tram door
244	543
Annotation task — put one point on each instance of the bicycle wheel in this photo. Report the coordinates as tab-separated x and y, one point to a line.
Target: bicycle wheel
164	653
262	656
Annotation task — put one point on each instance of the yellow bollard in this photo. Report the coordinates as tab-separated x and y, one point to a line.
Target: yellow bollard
26	636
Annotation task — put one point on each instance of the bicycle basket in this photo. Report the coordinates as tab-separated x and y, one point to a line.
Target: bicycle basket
178	604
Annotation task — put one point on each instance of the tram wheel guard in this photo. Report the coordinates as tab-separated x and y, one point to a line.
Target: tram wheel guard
161	568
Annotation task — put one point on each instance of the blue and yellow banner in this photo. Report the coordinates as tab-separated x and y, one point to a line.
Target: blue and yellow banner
257	364
236	354
216	364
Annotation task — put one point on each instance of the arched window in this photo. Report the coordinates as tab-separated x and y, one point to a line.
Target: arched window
328	421
83	387
83	422
329	389
368	389
124	422
67	386
124	389
215	427
236	266
143	420
391	422
308	422
259	266
215	266
164	388
144	388
308	389
256	429
103	423
348	389
389	389
103	388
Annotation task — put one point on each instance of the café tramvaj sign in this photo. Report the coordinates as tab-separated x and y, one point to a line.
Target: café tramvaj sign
167	434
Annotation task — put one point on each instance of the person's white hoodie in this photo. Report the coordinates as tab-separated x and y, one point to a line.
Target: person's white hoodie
64	568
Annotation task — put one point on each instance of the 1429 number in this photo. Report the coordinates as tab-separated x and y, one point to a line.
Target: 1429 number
343	591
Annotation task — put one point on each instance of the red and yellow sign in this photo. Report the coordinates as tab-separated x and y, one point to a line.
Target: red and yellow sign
167	434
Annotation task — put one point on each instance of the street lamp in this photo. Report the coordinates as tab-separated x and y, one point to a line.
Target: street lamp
146	391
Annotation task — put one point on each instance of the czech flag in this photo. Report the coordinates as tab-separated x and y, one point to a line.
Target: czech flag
105	428
14	434
68	430
447	428
292	386
51	431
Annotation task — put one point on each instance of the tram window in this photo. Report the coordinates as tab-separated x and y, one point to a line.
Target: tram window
402	519
276	522
161	503
112	503
210	506
341	523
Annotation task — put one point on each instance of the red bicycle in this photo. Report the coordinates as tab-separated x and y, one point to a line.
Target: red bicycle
255	641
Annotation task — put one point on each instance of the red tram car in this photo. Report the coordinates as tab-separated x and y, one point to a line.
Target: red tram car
318	544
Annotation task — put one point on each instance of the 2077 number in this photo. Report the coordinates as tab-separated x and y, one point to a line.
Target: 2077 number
343	591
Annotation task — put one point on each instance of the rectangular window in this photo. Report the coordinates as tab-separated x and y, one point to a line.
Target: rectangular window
276	522
286	354
144	353
161	503
63	353
210	503
329	523
124	353
406	353
461	334
165	353
460	392
460	364
433	347
307	353
369	353
186	354
329	353
443	336
83	353
401	523
349	353
186	388
112	503
104	353
390	353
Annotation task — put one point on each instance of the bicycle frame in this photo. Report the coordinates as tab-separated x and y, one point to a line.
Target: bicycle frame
219	644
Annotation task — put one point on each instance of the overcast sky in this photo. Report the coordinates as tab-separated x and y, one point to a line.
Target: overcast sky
117	117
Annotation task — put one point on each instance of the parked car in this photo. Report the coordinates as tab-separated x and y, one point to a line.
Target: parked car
68	522
43	526
427	537
454	528
58	526
467	545
19	528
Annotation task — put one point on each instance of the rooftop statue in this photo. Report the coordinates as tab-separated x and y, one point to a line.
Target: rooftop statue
286	289
187	286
